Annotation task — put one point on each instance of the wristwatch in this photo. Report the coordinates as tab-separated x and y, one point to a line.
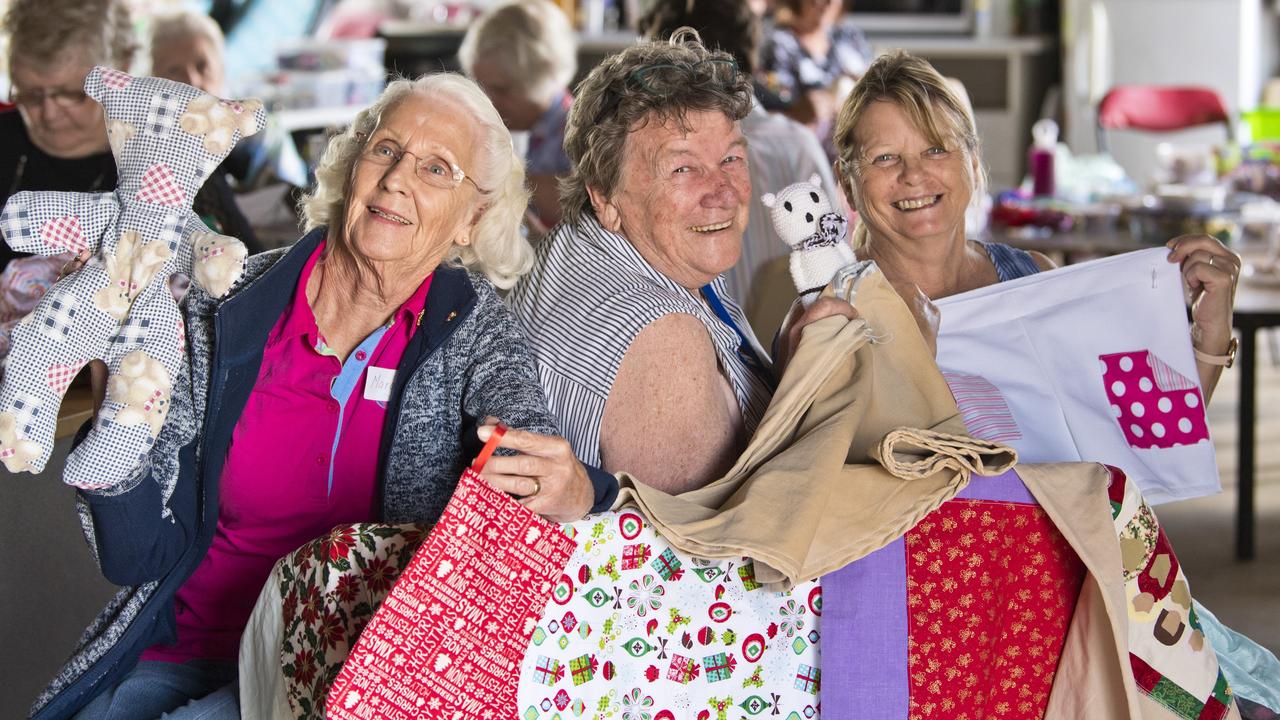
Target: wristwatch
1225	361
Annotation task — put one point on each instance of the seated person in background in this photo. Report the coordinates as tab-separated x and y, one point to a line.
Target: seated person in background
524	54
809	61
319	352
187	46
780	150
905	136
648	363
57	137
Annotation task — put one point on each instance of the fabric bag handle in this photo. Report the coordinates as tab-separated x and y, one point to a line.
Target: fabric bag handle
498	431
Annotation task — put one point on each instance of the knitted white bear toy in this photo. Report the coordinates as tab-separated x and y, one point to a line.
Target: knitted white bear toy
167	138
803	217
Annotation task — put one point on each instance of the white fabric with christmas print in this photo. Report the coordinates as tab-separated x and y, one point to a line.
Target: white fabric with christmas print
1088	362
638	630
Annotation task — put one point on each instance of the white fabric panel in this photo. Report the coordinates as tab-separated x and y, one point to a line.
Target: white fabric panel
1039	340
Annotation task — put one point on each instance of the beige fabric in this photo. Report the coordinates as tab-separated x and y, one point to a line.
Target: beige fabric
772	292
808	496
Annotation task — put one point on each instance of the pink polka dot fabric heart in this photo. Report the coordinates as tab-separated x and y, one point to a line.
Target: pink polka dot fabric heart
1155	405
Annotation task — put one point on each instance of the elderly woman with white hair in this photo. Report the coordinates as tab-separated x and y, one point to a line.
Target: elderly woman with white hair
347	379
524	54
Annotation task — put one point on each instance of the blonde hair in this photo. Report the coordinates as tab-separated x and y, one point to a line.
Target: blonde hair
45	32
497	248
929	101
531	39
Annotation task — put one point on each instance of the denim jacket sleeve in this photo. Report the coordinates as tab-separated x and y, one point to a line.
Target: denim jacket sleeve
138	530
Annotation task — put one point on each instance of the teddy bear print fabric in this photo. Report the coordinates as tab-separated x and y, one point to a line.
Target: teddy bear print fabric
167	138
1172	662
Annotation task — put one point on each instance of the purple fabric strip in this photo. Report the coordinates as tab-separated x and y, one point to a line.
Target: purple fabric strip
864	621
1006	486
864	637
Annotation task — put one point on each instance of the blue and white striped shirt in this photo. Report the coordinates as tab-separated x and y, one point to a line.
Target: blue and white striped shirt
589	295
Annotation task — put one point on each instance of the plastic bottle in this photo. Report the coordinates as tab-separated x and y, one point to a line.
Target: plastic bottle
982	18
1044	136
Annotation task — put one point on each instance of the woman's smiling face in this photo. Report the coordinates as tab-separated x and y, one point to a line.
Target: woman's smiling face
392	215
683	196
909	189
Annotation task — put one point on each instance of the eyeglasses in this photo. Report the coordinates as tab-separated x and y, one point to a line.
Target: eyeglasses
61	97
432	169
663	78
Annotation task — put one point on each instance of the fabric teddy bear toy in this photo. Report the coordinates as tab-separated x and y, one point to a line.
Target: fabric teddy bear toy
167	138
803	217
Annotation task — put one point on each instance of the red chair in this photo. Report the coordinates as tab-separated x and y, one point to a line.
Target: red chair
1159	108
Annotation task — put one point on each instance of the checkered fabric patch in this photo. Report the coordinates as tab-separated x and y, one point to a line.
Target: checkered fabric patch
115	79
64	234
132	332
163	113
171	235
160	187
25	409
16	224
60	375
55	324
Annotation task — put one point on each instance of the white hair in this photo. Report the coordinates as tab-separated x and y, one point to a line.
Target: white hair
531	40
185	23
497	247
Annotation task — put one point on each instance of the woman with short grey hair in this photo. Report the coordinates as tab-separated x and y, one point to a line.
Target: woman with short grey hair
524	54
187	46
648	364
347	379
56	137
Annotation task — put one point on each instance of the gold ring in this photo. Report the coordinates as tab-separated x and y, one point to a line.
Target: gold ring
537	487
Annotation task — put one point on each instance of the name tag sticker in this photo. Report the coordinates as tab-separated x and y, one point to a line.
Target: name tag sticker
377	384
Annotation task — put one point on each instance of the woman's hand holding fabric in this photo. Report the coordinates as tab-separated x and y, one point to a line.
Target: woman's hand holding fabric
798	317
545	474
1210	272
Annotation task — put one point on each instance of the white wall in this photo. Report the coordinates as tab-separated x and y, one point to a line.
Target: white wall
1229	45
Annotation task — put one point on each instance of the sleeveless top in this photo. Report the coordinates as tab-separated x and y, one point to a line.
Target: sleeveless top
1011	263
588	296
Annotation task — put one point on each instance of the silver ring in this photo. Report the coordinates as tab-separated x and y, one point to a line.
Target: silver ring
1211	259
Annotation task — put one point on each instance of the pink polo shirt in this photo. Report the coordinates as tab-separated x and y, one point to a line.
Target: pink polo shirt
303	458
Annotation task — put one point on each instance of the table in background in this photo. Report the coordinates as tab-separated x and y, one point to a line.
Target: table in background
1068	247
1257	308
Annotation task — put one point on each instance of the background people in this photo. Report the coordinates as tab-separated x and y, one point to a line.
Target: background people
524	54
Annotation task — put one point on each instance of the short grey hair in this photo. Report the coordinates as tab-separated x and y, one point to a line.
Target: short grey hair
185	23
44	32
531	39
609	106
497	247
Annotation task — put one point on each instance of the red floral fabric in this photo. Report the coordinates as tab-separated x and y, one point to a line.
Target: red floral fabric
991	588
